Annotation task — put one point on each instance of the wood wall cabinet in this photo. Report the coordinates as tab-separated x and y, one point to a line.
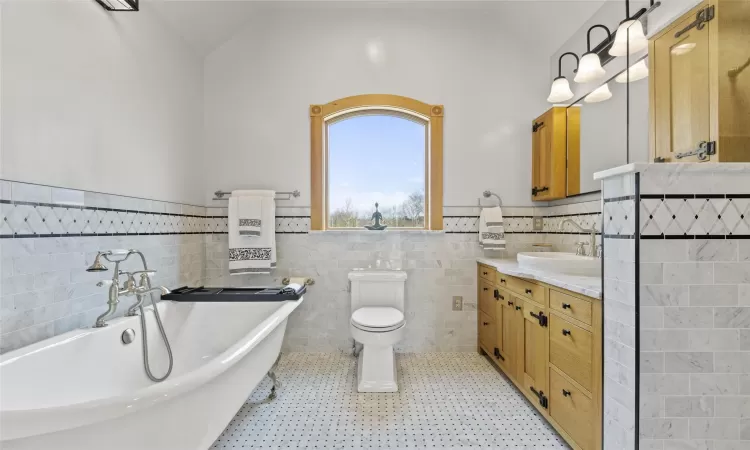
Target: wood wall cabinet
700	85
548	342
551	165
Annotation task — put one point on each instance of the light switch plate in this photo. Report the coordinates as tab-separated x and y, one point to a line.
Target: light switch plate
538	223
458	303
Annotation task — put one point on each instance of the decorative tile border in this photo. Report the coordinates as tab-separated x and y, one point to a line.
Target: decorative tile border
525	224
699	216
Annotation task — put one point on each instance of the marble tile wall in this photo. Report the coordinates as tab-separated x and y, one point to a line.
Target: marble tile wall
439	266
619	293
48	237
695	341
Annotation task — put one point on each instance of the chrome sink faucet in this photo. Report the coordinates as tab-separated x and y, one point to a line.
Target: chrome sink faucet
129	286
580	250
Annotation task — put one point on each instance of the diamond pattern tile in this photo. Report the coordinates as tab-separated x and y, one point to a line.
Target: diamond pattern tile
445	401
619	217
695	216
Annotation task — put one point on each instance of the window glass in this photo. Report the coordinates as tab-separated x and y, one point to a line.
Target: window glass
376	158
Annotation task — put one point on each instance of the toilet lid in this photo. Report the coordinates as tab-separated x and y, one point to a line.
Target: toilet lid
378	317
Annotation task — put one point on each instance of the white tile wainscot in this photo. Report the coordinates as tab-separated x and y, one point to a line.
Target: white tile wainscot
691	276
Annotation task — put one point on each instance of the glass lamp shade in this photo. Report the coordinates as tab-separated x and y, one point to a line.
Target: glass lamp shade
633	30
637	71
599	94
590	68
560	91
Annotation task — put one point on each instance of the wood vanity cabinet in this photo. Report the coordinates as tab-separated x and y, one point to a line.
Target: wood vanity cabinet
700	85
548	155
548	342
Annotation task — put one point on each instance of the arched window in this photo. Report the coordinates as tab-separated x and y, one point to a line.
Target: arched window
383	149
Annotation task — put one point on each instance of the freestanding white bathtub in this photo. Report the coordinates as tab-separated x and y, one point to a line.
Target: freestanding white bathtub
87	390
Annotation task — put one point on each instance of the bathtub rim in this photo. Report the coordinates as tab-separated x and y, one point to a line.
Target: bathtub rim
156	392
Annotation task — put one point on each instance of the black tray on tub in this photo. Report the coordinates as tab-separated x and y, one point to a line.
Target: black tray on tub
204	294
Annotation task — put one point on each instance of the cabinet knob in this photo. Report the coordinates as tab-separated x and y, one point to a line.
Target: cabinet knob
484	273
566	332
510	303
518	308
529	291
502	280
486	323
485	289
566	305
566	393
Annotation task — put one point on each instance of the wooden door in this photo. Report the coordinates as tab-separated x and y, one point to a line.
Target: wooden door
535	352
681	93
506	333
518	338
541	154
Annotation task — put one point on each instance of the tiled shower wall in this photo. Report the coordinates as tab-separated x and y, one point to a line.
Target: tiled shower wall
48	236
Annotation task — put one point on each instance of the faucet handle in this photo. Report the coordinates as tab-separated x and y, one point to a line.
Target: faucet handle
598	252
145	273
581	248
104	283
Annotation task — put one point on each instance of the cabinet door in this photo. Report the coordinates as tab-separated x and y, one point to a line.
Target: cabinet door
535	352
486	331
681	93
541	156
518	338
505	346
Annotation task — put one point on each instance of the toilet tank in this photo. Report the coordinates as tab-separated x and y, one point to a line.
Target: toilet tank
377	288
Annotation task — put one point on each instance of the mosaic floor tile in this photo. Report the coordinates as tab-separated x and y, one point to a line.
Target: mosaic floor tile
446	401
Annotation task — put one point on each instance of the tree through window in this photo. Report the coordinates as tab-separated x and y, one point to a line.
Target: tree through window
376	157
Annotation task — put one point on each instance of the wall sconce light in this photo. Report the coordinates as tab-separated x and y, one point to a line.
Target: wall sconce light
637	71
560	91
119	5
599	94
630	37
590	68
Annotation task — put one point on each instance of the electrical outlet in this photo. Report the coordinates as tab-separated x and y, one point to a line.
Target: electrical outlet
458	303
538	223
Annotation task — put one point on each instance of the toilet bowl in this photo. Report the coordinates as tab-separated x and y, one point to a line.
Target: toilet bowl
378	323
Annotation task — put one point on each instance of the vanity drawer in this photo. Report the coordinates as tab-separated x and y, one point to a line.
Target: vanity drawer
486	297
487	273
570	350
574	307
487	331
572	409
521	287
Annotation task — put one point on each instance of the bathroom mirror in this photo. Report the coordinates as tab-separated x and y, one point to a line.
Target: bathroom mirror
599	137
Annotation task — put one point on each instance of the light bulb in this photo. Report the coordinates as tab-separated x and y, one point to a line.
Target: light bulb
637	71
590	68
629	30
599	94
560	91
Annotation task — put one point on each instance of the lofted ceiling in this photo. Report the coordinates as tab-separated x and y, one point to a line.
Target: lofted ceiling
206	24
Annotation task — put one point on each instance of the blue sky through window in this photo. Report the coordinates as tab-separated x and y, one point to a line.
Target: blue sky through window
375	158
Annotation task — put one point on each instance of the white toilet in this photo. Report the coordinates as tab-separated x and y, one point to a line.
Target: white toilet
377	323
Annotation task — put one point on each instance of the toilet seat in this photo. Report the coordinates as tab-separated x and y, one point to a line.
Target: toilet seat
377	319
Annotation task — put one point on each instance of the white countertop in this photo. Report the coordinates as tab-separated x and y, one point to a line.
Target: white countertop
589	286
706	167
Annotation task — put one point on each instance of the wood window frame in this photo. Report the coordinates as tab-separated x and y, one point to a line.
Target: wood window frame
431	115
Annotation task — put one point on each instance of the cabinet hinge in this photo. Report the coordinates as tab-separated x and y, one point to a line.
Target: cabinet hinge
498	355
541	318
536	126
543	400
535	190
704	150
702	17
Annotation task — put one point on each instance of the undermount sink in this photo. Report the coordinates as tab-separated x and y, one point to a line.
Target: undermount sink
567	263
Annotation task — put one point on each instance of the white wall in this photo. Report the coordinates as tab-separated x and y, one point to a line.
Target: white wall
100	101
482	64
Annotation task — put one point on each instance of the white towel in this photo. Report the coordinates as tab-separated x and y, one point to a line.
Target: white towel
492	229
252	253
